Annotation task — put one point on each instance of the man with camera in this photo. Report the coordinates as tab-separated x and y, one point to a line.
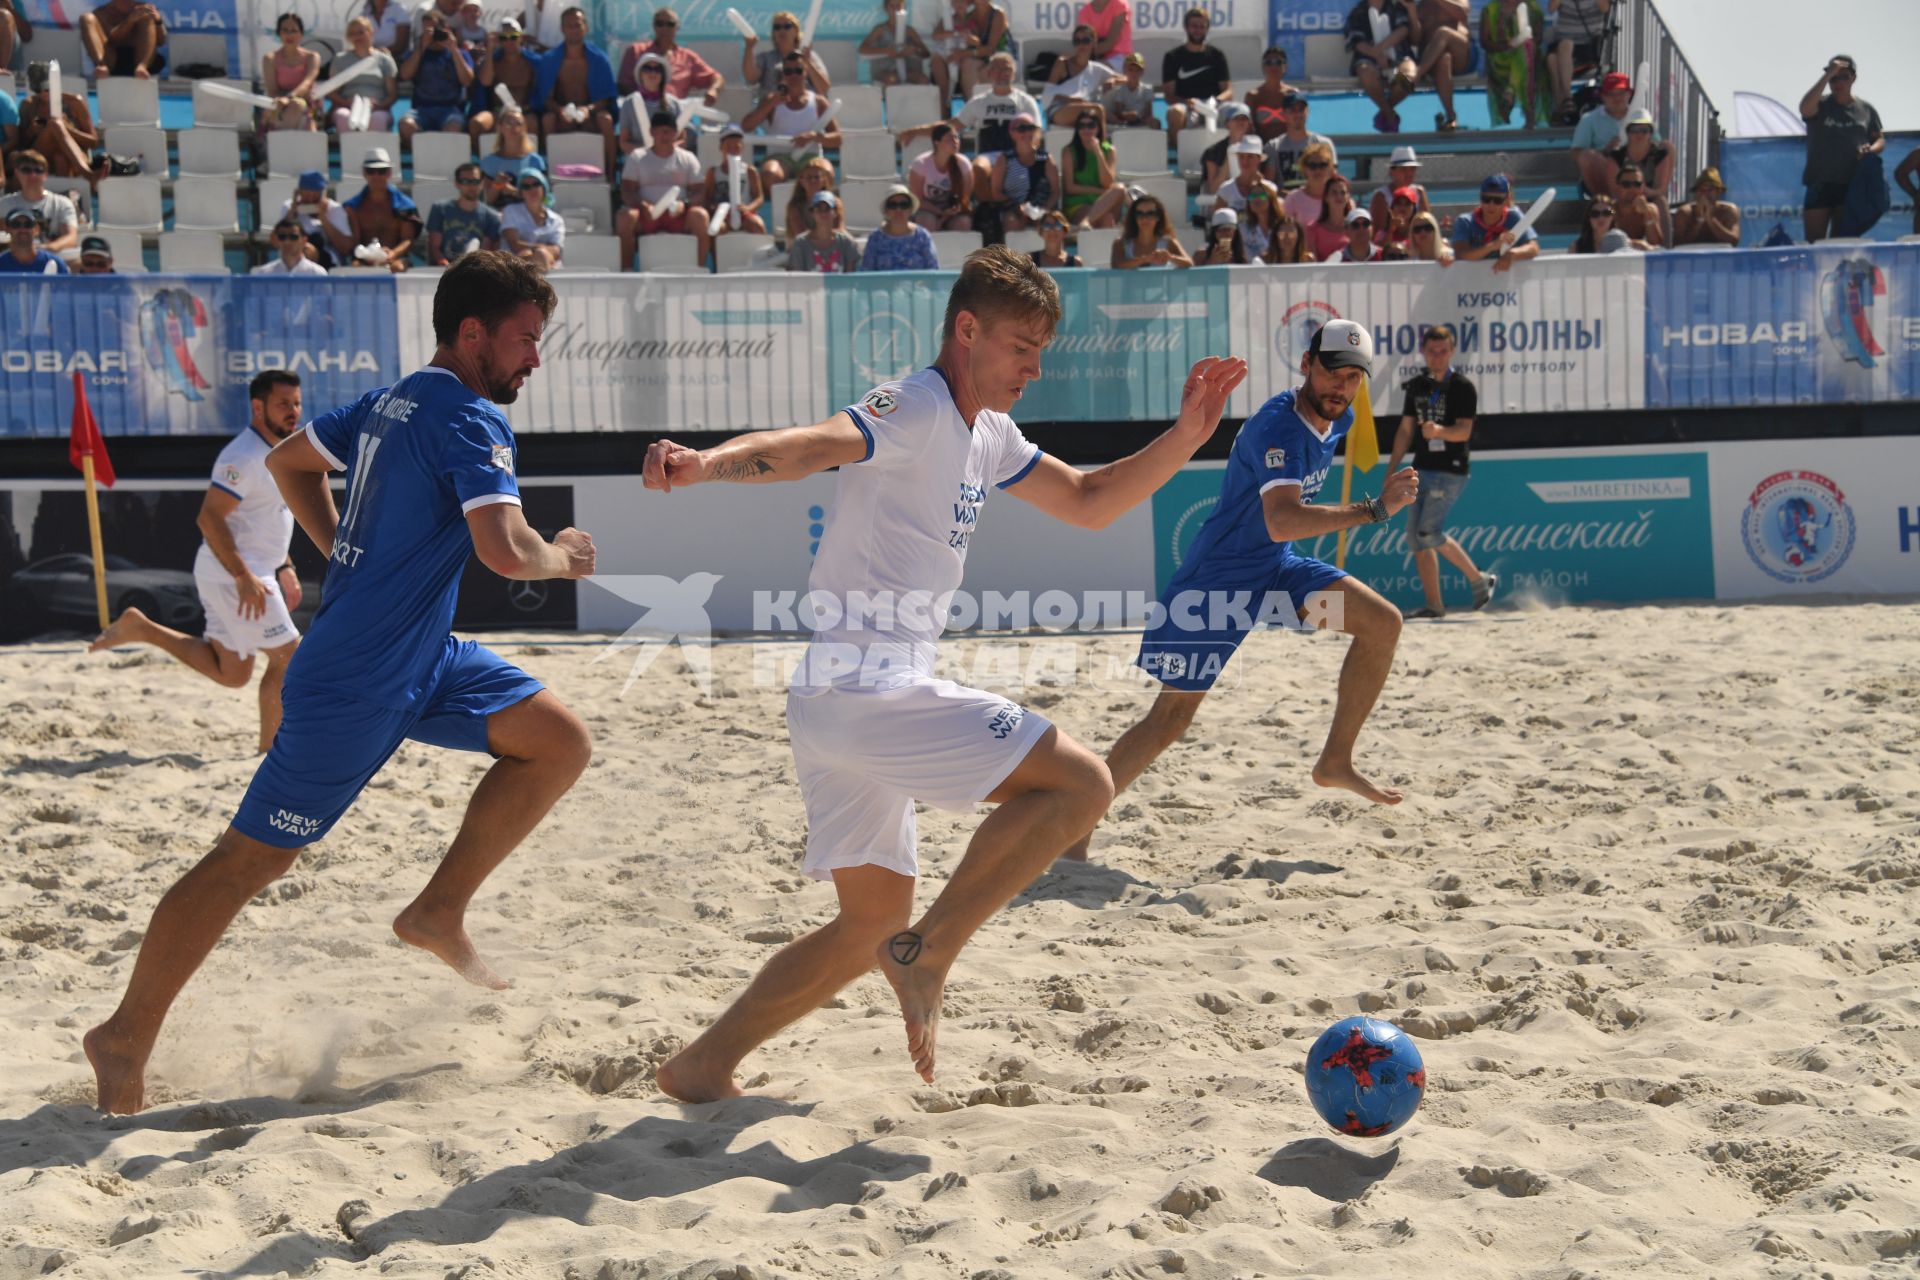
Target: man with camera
1842	130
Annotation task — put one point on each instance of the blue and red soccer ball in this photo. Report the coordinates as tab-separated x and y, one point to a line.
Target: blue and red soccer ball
1365	1077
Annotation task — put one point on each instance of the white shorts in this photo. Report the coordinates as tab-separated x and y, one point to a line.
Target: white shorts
245	636
865	755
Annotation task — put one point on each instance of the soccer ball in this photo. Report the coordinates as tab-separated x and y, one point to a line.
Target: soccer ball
1365	1077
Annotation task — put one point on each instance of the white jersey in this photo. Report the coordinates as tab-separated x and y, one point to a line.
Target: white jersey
895	543
261	525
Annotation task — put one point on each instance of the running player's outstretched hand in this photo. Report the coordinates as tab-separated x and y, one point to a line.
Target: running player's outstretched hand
1401	488
1204	399
580	551
669	465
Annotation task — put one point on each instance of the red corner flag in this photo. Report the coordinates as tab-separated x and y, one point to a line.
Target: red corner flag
85	440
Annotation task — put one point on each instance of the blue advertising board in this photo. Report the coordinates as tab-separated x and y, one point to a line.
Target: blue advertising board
1295	20
1790	326
1125	342
1763	178
617	21
1564	527
172	355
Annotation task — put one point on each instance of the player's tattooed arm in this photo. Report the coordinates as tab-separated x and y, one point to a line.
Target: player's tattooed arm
749	468
759	457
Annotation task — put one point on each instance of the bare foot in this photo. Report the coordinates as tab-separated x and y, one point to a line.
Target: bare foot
129	628
681	1077
120	1077
1348	778
449	941
918	986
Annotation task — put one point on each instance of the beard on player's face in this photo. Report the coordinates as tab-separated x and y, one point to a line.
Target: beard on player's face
497	375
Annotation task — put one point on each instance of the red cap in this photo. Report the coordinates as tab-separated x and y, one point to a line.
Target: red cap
1615	80
1408	194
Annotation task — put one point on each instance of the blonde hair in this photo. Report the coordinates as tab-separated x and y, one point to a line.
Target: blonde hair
798	216
996	283
1318	151
359	20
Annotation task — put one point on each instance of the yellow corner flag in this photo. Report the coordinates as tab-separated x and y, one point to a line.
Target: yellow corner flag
1363	451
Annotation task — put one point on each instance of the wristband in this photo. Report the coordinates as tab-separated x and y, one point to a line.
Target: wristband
1376	510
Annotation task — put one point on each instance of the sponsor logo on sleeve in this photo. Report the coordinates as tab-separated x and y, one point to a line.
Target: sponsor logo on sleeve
881	403
1276	458
503	457
230	476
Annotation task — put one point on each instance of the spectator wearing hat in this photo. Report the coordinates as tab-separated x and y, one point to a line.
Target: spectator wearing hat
1146	238
1707	219
1216	164
826	248
1022	182
1392	235
1643	221
1403	173
687	72
892	63
1488	231
469	27
1052	253
1598	234
379	83
1267	100
504	63
574	90
323	220
793	114
815	176
1074	84
1637	147
385	220
1247	180
290	252
65	143
1842	131
1287	153
1092	195
1112	24
1225	246
716	190
462	223
441	74
988	115
124	38
1600	129
638	108
942	181
659	187
1360	246
96	257
900	243
1129	100
59	222
1575	32
532	228
24	256
288	74
1193	73
1381	38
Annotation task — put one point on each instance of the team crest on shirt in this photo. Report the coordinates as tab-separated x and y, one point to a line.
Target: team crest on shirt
230	475
1276	458
503	457
881	403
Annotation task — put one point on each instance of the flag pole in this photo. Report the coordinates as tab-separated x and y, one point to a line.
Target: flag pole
1346	496
93	532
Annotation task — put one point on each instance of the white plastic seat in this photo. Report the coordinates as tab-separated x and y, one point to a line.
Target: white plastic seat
1028	241
841	58
210	111
1193	143
744	251
911	151
575	148
1139	153
354	148
1055	138
291	153
437	155
192	251
864	201
860	107
950	248
186	48
775	212
670	255
209	153
125	100
1095	245
869	155
911	105
587	207
273	192
591	253
206	204
149	142
428	192
132	204
1327	58
129	252
1172	193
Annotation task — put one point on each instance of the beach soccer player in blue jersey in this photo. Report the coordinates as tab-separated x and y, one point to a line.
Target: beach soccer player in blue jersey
1243	570
430	479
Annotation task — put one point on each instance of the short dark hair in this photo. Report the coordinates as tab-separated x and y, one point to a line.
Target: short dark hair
570	10
265	381
1196	12
487	285
996	282
28	155
1439	333
1633	169
298	21
288	224
469	166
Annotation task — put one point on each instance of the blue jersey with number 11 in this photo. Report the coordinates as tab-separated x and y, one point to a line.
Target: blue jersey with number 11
419	455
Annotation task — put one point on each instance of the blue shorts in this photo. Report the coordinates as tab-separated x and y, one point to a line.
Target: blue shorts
434	118
329	746
1204	617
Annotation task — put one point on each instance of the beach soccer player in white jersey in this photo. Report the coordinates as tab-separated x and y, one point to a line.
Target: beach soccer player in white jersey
247	586
1242	569
872	728
430	479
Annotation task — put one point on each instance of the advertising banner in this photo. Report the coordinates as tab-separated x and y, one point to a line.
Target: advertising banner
1563	334
1558	526
172	355
1125	342
1763	178
1788	326
655	353
1295	20
1159	20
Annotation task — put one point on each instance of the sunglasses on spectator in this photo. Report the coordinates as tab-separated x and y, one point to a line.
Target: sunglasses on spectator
1088	125
1316	165
664	23
469	182
785	26
1646	129
1024	128
1258	193
1423	231
1083	39
1054	224
287	237
509	35
531	186
1601	213
30	168
1632	186
1493	199
1273	62
1146	211
898	204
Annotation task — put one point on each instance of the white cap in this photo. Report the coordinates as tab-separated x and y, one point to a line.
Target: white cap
1342	344
376	158
1224	218
1248	147
1359	214
1403	155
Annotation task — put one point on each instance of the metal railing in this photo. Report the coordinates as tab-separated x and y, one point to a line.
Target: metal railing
1682	112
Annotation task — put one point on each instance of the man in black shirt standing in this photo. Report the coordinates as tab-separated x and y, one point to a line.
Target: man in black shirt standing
1192	72
1439	410
1842	131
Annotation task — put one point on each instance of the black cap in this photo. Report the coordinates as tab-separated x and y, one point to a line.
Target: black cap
23	217
663	119
1342	344
95	244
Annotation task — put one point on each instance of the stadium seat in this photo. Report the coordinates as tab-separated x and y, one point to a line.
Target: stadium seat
841	58
1908	239
1327	57
354	148
1173	194
860	107
7	84
290	154
273	193
133	204
1139	153
205	204
776	214
213	112
192	251
670	255
1095	245
428	192
190	48
869	155
587	207
209	153
736	100
1025	241
910	105
128	251
125	100
1055	139
1192	143
61	45
911	151
591	253
1712	246
149	142
864	201
950	248
437	155
575	148
744	251
489	143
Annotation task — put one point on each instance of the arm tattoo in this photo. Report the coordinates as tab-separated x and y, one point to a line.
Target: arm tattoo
754	464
